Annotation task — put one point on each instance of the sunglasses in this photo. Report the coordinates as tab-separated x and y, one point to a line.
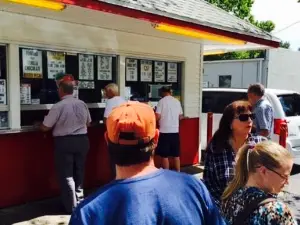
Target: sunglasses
284	177
245	117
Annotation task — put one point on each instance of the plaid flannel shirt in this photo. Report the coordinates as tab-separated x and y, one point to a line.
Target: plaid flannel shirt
219	167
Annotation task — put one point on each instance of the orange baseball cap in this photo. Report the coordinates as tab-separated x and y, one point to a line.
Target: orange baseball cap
131	123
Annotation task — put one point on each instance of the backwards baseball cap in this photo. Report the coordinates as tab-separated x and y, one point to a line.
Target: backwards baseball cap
64	77
132	123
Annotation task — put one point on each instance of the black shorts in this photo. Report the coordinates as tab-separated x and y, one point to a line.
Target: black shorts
168	145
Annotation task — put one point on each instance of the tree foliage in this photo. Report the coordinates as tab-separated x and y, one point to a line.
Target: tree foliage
285	44
242	9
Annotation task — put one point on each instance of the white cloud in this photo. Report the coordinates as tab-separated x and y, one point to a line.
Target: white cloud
283	13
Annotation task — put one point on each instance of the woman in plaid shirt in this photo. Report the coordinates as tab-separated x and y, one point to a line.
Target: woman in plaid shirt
234	131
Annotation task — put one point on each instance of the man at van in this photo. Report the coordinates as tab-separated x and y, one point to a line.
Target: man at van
263	110
168	114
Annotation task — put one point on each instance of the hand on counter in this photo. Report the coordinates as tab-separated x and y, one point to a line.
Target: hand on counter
37	124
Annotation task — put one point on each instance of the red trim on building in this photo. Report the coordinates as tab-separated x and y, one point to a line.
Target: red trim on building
123	11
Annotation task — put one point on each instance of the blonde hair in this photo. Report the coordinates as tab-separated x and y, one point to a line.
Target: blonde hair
113	88
267	153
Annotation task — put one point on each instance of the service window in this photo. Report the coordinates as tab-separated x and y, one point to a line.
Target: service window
3	88
38	68
144	78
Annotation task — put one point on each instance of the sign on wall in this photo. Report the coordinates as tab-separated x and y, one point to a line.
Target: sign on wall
159	72
86	84
172	73
86	67
104	68
32	63
55	63
25	94
131	70
2	91
146	71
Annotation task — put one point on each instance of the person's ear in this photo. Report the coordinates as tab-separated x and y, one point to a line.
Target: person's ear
156	136
106	137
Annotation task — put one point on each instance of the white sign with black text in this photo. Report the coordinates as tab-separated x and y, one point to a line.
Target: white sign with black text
25	94
86	67
2	91
131	70
159	72
104	68
172	73
32	63
146	71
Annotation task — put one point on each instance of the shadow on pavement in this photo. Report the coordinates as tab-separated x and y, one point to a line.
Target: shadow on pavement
295	169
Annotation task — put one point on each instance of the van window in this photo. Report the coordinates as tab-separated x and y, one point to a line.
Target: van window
216	101
290	104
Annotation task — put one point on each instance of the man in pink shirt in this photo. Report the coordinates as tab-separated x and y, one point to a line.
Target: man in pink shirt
69	119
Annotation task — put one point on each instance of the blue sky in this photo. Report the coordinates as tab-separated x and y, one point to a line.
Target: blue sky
283	13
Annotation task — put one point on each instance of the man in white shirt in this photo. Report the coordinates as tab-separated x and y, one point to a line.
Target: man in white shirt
114	99
168	114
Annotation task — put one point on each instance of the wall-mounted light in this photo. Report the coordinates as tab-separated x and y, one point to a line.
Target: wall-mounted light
197	34
41	4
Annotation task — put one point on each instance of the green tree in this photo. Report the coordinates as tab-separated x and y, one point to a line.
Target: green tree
285	44
241	9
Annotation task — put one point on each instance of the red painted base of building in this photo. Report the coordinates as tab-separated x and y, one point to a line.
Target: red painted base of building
27	163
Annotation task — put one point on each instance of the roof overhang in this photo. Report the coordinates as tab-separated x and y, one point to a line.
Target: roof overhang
154	18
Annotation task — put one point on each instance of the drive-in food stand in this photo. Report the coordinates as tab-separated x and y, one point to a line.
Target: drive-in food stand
140	45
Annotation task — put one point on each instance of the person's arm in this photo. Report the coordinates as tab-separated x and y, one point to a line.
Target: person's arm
180	112
107	111
50	120
264	117
89	118
158	111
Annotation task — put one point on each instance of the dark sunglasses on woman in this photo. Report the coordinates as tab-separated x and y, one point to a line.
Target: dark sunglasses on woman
245	117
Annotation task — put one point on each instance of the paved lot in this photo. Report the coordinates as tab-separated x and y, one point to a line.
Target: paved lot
47	212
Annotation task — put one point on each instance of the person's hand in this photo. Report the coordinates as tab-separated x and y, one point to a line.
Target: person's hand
37	124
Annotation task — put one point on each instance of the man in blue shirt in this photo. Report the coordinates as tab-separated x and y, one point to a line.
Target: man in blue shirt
263	110
141	193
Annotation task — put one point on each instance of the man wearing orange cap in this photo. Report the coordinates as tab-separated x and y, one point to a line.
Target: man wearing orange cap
141	193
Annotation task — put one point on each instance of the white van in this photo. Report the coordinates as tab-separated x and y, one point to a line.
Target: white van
286	105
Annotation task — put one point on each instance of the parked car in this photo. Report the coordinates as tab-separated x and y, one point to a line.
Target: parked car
286	105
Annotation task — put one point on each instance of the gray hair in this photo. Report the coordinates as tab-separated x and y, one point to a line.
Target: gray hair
113	88
67	87
257	89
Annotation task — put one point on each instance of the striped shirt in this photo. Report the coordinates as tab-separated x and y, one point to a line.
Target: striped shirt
70	116
264	117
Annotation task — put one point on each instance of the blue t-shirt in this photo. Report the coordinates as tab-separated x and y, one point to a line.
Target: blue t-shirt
162	197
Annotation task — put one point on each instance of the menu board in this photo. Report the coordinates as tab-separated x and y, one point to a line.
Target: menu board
86	67
55	63
25	94
32	63
131	70
146	71
172	73
2	91
159	72
104	68
86	84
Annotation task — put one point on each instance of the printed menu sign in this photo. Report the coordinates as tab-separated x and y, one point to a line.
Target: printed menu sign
56	64
131	70
86	67
172	72
32	63
86	84
104	68
159	72
146	71
25	94
2	91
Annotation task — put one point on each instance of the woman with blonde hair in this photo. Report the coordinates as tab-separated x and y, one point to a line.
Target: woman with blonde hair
262	171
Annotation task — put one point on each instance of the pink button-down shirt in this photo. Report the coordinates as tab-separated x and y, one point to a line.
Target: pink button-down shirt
70	116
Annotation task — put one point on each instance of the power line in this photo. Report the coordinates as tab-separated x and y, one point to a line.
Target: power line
287	27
